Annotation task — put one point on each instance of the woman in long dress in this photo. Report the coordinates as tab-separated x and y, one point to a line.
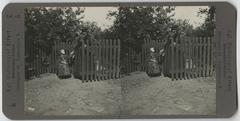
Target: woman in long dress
153	65
63	68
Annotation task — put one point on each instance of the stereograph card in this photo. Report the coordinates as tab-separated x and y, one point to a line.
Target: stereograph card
119	60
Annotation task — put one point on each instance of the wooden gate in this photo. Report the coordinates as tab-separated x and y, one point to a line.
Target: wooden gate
97	60
130	61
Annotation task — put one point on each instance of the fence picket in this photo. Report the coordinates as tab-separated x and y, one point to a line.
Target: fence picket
97	60
201	56
108	59
204	56
118	59
92	48
184	58
208	56
211	61
101	58
172	59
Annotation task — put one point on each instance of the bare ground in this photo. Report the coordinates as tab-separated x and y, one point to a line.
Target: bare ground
134	94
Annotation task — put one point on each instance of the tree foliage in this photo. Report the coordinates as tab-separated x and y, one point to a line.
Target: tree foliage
208	27
134	24
44	26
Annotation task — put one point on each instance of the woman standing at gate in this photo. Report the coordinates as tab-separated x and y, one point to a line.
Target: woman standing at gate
63	68
153	65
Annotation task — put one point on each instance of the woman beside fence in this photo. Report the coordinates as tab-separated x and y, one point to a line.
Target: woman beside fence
63	68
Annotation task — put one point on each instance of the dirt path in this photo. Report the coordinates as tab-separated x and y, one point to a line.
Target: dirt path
49	95
135	94
162	96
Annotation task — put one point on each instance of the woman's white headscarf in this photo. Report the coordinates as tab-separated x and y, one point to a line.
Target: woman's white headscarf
62	51
152	49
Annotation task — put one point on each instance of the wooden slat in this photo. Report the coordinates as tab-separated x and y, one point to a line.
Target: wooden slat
87	60
194	55
57	54
50	62
101	59
177	58
201	56
40	62
180	41
118	59
142	56
104	60
208	56
204	56
131	59
147	50
145	54
93	73
80	60
186	57
172	59
97	60
197	58
90	59
212	56
95	54
76	65
55	57
109	59
145	57
83	66
128	60
191	56
114	58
